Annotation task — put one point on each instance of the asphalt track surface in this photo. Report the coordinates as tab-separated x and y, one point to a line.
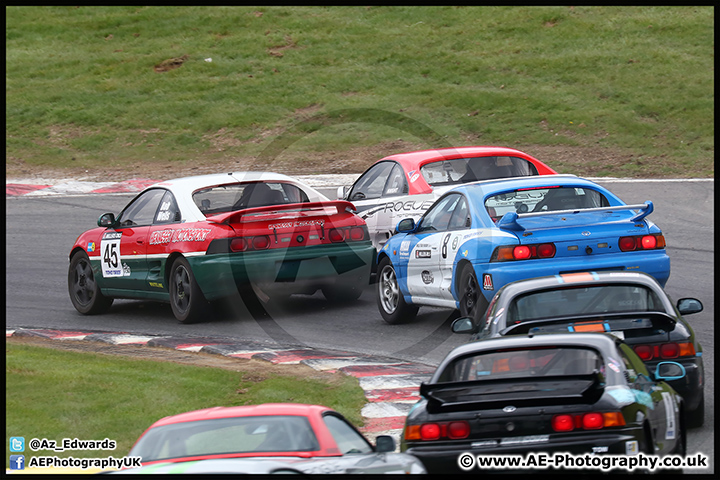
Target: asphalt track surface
41	230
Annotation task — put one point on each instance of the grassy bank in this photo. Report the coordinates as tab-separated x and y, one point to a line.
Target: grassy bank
114	87
57	394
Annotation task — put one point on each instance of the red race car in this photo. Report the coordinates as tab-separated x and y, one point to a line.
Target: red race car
404	185
268	438
197	239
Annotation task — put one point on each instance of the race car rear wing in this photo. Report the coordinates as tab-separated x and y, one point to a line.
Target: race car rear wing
605	322
522	391
276	212
509	221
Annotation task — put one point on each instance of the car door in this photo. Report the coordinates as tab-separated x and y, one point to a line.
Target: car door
162	233
375	195
432	248
123	249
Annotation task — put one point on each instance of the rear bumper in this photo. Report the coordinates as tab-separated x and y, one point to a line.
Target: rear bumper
291	269
655	263
444	459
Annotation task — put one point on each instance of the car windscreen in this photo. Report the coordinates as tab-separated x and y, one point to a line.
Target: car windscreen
278	433
544	199
527	363
237	196
582	301
464	170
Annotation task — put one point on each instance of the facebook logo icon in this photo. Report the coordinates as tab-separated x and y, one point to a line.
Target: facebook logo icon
17	462
17	444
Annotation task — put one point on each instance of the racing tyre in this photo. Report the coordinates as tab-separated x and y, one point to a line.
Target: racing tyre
391	302
472	301
696	418
84	292
186	299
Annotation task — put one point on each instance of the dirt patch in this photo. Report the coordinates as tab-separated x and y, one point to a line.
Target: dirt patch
253	370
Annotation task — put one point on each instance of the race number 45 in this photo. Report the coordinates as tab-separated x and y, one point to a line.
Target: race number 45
110	255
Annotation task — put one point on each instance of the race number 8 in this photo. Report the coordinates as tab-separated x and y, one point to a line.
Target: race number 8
111	258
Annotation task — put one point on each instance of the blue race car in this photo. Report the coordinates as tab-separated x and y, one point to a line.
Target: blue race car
480	236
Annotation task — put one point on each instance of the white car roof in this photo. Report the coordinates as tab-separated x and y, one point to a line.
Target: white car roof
183	188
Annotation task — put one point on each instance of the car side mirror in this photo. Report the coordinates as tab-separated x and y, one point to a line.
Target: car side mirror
405	225
669	371
342	192
686	306
463	325
106	220
384	444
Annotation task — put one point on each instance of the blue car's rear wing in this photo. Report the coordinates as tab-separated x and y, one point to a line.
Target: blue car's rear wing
509	221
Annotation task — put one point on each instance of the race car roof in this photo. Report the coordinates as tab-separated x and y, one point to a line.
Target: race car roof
242	411
417	158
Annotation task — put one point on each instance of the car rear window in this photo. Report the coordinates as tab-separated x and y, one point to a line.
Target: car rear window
237	196
464	170
585	300
523	363
544	199
277	433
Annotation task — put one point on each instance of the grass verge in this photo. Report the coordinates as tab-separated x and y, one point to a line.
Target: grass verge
57	394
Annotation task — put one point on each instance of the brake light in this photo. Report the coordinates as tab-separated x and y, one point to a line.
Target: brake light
336	235
457	430
592	421
430	431
587	421
238	245
641	242
563	423
523	252
435	431
357	233
665	351
261	242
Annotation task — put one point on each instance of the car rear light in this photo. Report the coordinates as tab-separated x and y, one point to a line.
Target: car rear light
434	431
430	431
587	421
458	430
563	423
357	233
336	235
669	350
592	421
665	351
641	242
238	245
523	252
261	242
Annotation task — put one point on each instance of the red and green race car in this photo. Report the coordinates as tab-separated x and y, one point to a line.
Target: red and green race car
197	239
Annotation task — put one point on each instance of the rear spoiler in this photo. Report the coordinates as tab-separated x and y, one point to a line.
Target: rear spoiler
484	393
509	221
262	213
621	321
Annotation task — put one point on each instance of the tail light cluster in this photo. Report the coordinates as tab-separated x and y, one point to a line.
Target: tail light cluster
263	242
665	351
587	421
641	242
523	252
435	431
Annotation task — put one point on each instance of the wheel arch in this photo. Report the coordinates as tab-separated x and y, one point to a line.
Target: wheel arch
456	275
74	252
168	266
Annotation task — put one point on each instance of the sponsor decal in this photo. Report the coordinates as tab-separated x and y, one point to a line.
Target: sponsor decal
465	253
112	235
91	247
296	224
631	447
423	254
181	235
427	277
487	282
126	270
405	248
408	205
155	284
414	177
669	415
